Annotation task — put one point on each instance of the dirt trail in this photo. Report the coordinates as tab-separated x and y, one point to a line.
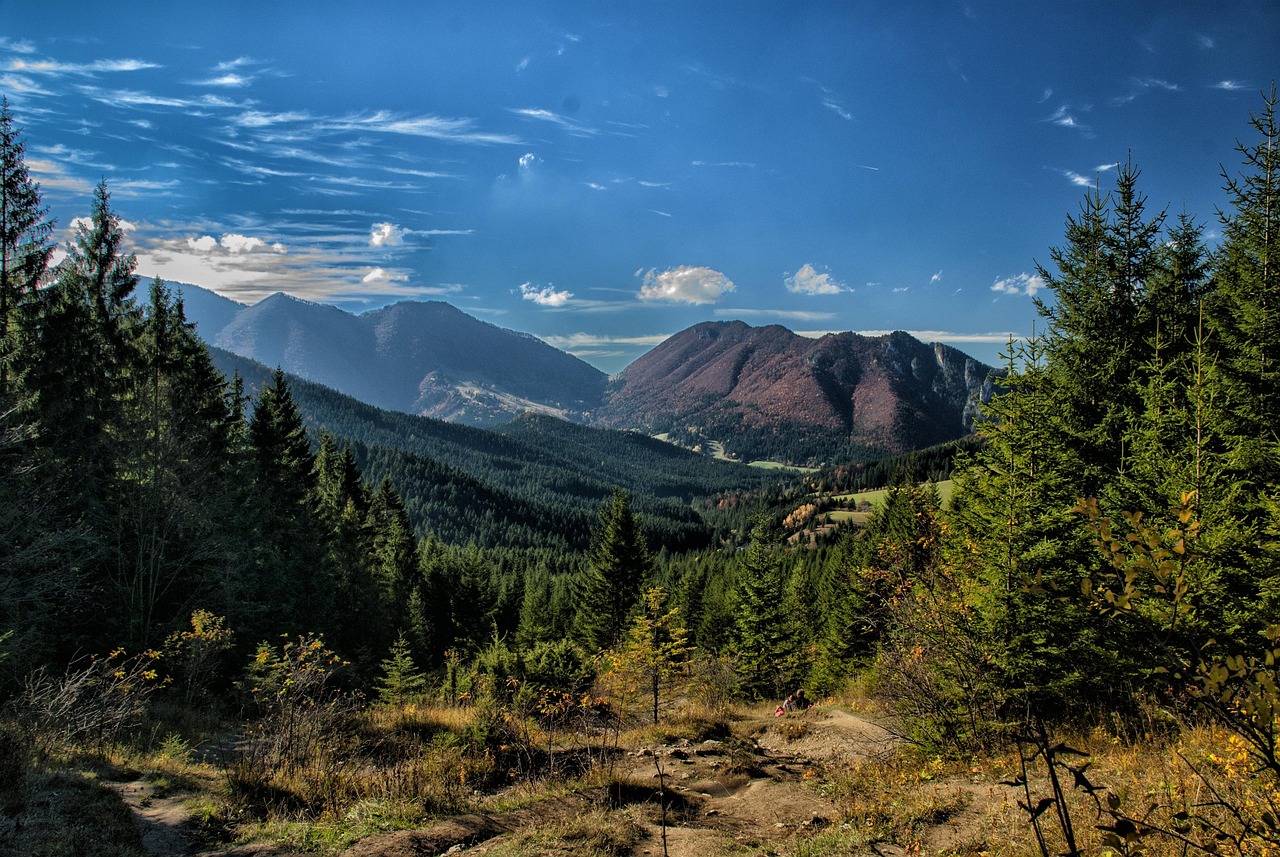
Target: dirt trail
162	820
722	797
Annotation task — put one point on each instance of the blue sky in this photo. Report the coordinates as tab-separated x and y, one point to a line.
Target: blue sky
603	175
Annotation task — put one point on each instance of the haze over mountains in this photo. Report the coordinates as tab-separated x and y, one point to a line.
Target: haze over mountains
761	392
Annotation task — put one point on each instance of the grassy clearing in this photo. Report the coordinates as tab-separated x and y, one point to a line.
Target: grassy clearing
876	497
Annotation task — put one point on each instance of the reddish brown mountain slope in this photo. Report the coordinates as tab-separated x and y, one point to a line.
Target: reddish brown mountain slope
768	392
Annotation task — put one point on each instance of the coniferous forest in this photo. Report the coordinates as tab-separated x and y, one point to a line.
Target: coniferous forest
370	636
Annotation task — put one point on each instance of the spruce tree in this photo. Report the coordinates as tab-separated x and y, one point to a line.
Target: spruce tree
1094	347
401	680
610	586
25	246
291	588
763	639
1245	310
173	499
1017	552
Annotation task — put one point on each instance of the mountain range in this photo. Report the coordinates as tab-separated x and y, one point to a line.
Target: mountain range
756	392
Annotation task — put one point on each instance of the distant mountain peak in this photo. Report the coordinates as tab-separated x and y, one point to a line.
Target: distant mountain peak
764	392
767	392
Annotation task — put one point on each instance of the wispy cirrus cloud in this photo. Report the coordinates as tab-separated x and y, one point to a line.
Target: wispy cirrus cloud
54	68
1081	180
17	46
544	296
779	314
53	176
1230	85
17	84
810	281
229	80
1139	86
127	98
684	284
1065	117
447	129
570	126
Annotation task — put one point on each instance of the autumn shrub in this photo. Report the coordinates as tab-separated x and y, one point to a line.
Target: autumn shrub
91	705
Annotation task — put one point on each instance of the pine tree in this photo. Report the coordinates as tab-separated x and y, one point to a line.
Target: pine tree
610	586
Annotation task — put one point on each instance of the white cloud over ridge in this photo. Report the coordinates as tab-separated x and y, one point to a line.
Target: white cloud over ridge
809	281
685	284
545	296
1020	284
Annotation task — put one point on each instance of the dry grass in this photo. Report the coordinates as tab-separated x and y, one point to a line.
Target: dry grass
934	806
594	834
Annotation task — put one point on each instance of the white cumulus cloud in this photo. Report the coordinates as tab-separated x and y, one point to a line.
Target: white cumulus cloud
527	160
233	242
1020	284
385	235
545	296
810	281
685	284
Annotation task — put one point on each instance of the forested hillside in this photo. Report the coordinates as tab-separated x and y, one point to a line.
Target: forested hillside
467	484
1110	558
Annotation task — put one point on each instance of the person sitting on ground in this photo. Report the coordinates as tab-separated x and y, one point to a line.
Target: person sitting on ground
800	701
789	704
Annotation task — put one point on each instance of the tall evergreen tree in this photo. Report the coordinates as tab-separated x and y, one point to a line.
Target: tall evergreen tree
25	247
291	587
1017	549
1093	346
173	497
1245	310
610	586
764	638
